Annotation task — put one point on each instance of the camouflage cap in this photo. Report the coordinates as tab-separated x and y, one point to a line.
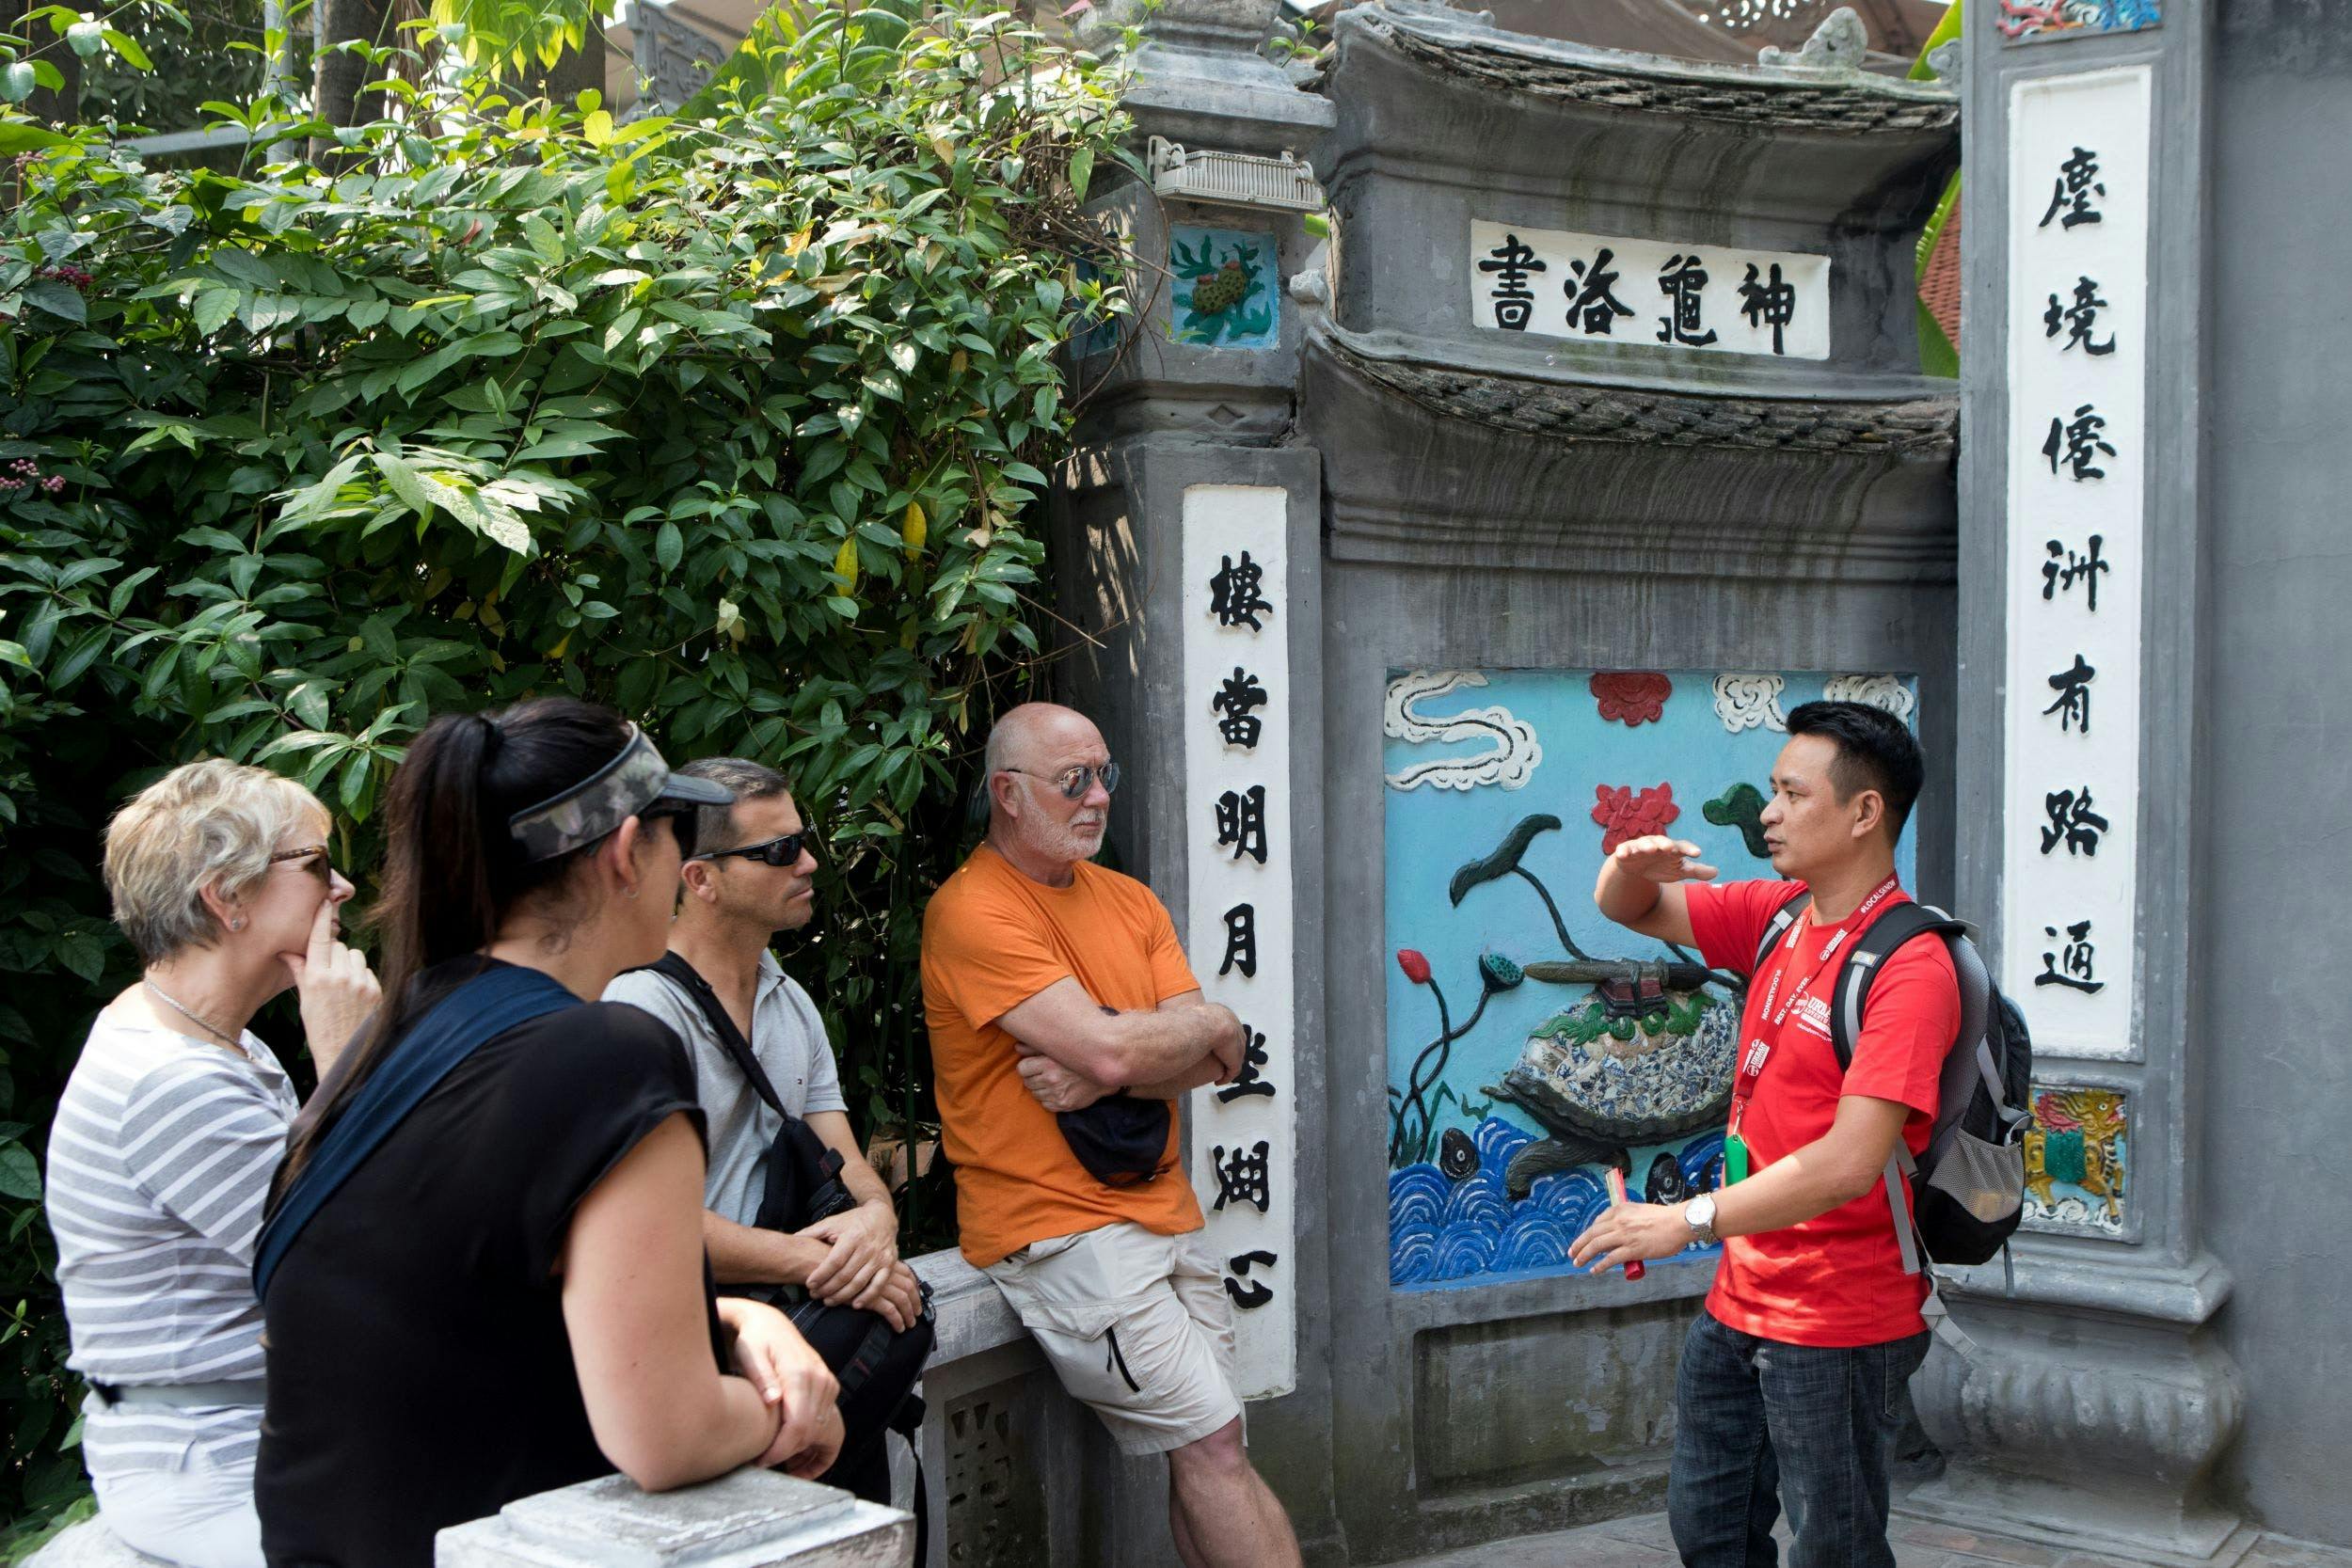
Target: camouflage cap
600	802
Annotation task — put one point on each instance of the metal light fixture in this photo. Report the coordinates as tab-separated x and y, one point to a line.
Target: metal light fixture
1283	185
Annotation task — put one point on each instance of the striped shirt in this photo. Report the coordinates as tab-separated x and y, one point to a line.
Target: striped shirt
159	1162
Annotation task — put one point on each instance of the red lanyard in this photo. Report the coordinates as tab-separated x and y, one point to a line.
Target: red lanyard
1759	1049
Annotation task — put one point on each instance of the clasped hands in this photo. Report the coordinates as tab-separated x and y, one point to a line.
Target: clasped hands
861	1267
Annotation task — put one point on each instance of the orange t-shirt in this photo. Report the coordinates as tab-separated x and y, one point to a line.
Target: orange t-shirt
992	939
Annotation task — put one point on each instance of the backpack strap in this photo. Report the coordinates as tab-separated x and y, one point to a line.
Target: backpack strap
1864	960
674	967
1782	919
477	1012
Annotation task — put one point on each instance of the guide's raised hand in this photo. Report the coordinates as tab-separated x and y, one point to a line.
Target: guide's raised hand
1659	859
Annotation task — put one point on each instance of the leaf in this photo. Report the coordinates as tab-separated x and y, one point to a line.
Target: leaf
59	299
669	545
86	38
19	1173
355	781
16	136
597	128
845	565
213	307
1081	171
557	447
914	529
128	47
309	702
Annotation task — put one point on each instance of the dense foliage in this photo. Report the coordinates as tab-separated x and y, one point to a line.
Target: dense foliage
736	421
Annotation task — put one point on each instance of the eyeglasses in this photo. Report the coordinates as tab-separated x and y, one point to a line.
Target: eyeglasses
682	818
320	866
1074	783
775	851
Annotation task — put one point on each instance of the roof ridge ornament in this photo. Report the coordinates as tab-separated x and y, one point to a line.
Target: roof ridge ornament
1838	43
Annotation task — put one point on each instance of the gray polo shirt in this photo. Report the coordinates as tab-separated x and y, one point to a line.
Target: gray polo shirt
789	1038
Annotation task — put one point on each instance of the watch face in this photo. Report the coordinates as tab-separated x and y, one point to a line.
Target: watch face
1702	1211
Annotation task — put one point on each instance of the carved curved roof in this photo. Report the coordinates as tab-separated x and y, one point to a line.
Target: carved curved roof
1591	411
1839	102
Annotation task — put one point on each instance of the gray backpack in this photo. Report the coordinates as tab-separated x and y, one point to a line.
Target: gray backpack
1969	1186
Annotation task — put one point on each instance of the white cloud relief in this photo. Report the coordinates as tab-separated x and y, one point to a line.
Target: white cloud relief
1509	762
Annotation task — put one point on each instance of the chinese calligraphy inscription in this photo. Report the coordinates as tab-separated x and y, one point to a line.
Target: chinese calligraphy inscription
1238	859
1582	287
2075	281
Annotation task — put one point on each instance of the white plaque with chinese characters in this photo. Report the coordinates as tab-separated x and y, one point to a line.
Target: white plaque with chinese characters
1239	855
1718	300
2079	151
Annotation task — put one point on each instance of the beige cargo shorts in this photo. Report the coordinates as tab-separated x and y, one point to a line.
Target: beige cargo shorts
1137	1325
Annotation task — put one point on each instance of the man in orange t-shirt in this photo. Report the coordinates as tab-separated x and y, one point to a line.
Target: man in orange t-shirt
1051	984
1790	1380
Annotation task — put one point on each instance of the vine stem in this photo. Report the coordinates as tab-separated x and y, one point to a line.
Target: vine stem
1415	1086
1558	926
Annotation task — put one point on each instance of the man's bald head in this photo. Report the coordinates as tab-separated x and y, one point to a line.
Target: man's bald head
1033	734
1030	750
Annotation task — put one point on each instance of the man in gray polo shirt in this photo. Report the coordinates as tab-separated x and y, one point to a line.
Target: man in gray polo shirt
754	880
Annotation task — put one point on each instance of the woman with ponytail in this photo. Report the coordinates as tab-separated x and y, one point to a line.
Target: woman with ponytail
482	1274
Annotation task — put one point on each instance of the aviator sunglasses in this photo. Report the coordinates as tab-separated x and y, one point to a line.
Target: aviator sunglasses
1074	783
775	851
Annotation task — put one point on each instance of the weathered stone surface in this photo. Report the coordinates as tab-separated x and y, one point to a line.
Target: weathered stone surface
90	1544
745	1519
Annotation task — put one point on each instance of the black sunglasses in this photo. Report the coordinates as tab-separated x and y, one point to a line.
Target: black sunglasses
776	852
321	865
681	819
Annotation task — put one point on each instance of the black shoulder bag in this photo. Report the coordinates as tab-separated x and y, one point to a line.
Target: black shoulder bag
877	1366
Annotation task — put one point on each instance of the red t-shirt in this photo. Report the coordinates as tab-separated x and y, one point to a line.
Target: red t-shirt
1836	1279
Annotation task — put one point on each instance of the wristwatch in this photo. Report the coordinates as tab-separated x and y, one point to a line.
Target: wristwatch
1699	1214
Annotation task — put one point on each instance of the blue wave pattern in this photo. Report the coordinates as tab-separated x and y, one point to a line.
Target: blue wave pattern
1443	1232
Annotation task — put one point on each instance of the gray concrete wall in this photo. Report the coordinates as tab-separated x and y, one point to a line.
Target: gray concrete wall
2277	711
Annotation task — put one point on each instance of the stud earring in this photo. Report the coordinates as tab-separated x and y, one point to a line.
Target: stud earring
628	892
238	923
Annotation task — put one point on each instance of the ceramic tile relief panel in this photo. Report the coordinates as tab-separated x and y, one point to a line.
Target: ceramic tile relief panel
1525	1054
2023	20
2076	1158
1225	288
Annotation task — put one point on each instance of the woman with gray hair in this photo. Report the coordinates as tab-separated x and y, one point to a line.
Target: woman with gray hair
166	1136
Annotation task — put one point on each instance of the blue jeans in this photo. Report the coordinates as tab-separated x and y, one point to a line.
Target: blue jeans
1759	1424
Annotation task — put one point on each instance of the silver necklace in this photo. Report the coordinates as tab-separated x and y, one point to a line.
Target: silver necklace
192	1015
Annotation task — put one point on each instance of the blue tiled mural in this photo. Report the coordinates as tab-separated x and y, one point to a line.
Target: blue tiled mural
1528	1049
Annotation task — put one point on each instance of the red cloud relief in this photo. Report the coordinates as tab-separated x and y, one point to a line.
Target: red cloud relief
1624	814
1631	696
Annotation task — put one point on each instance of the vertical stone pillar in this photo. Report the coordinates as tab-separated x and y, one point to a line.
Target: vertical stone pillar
746	1519
2093	1403
1187	564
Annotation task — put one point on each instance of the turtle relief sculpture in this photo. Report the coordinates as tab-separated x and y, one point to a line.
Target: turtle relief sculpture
1643	1057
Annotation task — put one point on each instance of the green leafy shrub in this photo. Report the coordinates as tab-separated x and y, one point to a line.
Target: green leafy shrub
736	421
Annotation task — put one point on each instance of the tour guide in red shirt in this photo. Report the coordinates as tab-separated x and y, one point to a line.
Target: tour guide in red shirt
1790	1379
